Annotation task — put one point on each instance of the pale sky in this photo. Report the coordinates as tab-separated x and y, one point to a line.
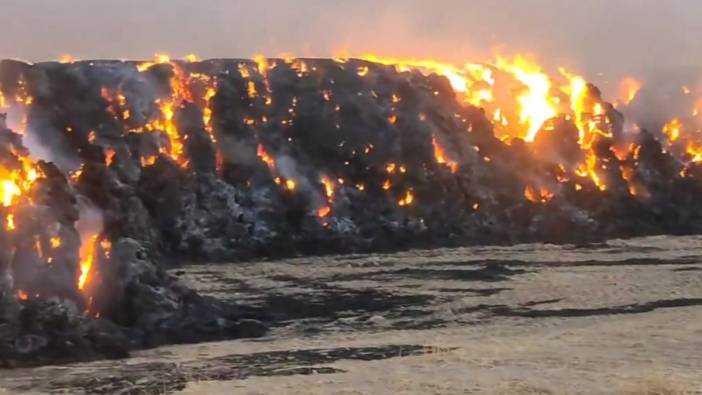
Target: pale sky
611	36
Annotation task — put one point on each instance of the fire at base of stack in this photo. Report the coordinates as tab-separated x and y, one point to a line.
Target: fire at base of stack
111	172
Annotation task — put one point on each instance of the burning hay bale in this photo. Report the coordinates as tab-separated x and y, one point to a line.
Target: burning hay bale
111	172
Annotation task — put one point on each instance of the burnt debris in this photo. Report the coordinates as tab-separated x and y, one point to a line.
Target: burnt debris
111	172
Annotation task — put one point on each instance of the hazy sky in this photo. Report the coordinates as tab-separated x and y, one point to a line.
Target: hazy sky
612	36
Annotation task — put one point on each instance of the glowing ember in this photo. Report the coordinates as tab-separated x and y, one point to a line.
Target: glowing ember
10	222
252	89
323	211
148	161
55	242
265	157
407	199
21	295
109	155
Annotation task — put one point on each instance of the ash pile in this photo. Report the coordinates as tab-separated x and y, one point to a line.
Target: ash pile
111	172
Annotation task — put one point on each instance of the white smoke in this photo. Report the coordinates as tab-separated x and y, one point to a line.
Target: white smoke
91	220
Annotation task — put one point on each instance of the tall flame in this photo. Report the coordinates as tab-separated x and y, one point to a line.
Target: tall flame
87	259
536	103
329	187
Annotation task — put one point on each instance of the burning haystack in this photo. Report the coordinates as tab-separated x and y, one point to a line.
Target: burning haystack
112	171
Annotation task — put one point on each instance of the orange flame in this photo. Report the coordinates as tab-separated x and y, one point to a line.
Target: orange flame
179	93
328	188
540	195
10	222
323	211
87	258
55	242
159	58
628	89
148	161
265	157
109	156
537	105
589	169
66	58
441	158
252	89
672	129
262	65
14	183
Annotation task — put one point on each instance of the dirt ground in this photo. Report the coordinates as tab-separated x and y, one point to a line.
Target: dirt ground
623	317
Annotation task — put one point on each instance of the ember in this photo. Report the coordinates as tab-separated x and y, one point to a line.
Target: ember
407	199
21	295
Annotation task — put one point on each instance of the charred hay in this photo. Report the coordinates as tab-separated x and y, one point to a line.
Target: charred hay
226	160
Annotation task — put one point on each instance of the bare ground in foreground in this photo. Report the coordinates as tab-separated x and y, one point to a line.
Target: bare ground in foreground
620	317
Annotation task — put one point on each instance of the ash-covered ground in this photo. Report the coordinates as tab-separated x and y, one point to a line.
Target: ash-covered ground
620	317
114	171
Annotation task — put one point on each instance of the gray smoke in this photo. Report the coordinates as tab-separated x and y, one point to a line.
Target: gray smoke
601	39
598	35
